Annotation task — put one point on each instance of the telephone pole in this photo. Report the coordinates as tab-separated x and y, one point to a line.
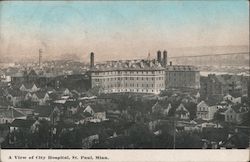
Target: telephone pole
40	57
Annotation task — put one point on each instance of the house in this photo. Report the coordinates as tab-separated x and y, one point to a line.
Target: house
4	132
15	96
181	112
22	124
157	107
89	110
47	112
29	87
236	100
8	115
100	116
228	97
213	86
41	97
166	111
205	111
235	113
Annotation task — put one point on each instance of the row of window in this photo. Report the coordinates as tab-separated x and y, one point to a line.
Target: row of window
129	78
128	72
133	85
134	90
203	115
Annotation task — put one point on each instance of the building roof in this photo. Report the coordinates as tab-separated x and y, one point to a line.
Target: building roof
16	92
44	110
181	68
240	108
181	109
202	104
132	65
22	123
11	113
157	107
40	94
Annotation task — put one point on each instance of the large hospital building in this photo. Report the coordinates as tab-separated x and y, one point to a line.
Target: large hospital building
142	76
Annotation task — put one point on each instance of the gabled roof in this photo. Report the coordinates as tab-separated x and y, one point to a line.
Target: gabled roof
181	109
89	110
16	92
202	104
40	94
29	85
240	108
32	72
156	106
11	113
21	123
44	110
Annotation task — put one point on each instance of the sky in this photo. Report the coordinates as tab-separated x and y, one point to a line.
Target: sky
118	29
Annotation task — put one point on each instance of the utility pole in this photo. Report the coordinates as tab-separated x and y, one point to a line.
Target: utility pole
174	132
40	57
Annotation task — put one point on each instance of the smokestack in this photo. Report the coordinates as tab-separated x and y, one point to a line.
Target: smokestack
165	58
40	57
159	56
170	63
92	57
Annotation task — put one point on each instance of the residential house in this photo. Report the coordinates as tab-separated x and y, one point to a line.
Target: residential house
15	96
228	97
213	86
41	97
157	107
47	112
235	114
100	116
205	111
166	111
181	112
89	110
22	124
29	87
8	115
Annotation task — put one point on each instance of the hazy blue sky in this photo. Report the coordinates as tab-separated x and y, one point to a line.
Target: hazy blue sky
119	29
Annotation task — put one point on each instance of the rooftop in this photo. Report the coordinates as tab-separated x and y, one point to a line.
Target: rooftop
128	65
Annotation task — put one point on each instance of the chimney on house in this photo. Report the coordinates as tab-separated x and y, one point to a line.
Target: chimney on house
165	58
159	56
92	57
170	63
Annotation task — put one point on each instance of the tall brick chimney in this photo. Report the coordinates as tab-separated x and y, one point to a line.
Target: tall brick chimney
165	58
159	56
92	57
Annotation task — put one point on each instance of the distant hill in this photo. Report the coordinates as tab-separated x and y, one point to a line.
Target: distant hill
172	52
206	50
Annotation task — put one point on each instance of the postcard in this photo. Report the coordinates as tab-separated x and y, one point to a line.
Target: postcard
124	81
